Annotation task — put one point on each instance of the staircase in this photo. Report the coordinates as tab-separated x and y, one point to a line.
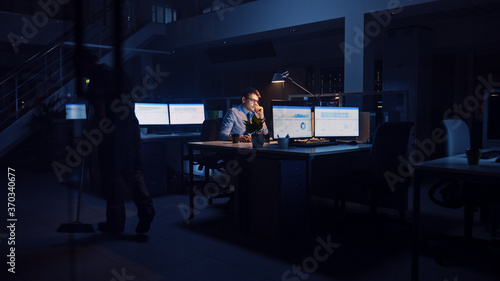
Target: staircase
50	73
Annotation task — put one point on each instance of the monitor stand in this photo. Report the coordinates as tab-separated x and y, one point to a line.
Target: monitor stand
314	142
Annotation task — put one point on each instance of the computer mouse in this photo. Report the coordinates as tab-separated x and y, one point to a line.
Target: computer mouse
352	142
497	160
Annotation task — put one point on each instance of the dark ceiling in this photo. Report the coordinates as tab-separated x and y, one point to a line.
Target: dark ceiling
190	8
294	40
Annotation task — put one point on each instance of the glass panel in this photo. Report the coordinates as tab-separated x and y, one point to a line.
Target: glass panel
160	14
168	15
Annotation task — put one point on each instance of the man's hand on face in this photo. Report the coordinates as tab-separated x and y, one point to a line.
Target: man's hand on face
259	111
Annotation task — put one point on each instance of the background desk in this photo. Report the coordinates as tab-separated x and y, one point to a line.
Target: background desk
453	167
275	184
162	160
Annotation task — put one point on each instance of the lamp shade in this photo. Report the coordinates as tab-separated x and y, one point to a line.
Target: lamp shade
278	78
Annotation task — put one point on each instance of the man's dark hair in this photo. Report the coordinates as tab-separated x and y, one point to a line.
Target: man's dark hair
249	90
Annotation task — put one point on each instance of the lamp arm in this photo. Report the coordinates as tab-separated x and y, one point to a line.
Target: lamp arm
302	87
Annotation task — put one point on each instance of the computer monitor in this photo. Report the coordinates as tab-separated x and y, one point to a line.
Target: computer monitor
336	122
187	113
292	120
76	111
152	113
491	118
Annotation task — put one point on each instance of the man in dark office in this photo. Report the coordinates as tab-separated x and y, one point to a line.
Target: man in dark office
119	151
234	118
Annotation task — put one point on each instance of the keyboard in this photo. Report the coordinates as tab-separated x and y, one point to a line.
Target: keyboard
490	154
163	132
172	132
313	144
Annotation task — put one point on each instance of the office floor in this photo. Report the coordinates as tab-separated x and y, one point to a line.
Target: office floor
209	248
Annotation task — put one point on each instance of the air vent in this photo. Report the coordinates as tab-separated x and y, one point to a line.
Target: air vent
241	52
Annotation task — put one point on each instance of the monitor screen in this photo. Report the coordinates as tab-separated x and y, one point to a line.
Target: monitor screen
152	113
336	121
76	111
491	118
292	120
187	113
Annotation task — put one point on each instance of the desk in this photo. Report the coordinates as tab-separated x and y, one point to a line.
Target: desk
151	137
162	158
453	167
270	154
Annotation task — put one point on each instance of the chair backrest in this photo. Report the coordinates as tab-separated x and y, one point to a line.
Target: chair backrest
458	136
390	143
209	130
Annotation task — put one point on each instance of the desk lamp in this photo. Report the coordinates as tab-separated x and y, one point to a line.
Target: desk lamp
280	78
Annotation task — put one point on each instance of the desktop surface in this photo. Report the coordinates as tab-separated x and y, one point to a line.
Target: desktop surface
490	154
458	164
272	147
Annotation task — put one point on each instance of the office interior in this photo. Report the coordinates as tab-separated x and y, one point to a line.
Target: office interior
409	60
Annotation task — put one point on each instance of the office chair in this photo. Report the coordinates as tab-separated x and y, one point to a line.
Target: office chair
458	136
454	194
390	145
457	141
208	133
209	162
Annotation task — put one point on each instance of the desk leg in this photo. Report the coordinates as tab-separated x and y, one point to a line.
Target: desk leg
191	183
241	194
182	162
416	229
309	184
468	222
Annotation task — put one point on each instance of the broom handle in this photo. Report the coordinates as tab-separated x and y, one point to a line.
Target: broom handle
82	173
80	191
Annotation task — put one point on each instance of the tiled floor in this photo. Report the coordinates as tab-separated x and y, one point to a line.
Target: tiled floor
209	248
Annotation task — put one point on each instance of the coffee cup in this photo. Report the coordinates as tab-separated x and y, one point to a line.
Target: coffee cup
235	138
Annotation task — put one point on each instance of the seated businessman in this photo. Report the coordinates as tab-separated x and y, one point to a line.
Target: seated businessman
234	118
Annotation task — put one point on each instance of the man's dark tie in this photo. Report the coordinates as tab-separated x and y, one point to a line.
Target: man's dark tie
249	117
